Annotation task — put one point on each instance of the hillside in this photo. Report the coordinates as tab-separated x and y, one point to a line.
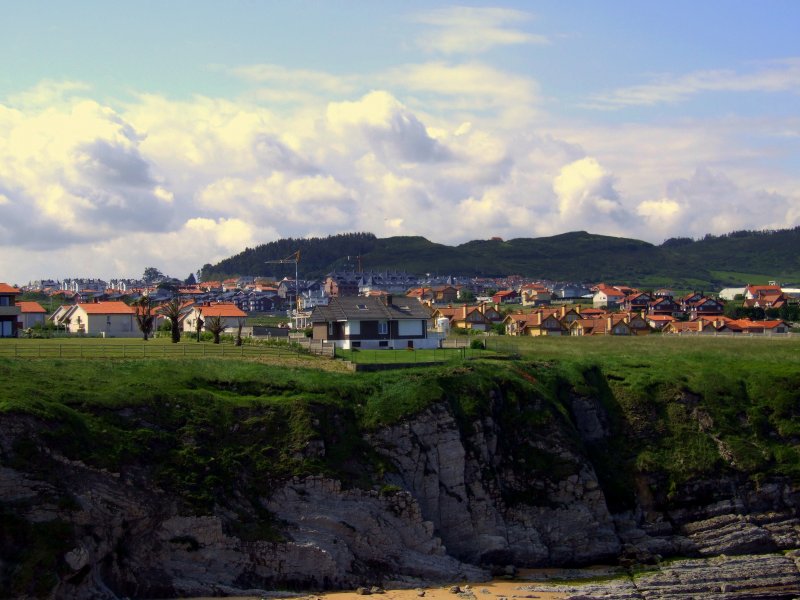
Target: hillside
712	262
180	478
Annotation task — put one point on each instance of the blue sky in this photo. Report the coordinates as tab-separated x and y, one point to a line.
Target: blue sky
176	133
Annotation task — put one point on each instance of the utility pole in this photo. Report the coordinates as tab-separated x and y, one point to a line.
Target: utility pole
293	258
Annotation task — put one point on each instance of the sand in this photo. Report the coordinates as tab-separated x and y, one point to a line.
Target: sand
490	590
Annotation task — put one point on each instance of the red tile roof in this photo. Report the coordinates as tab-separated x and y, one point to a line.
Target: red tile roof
107	308
221	310
31	307
8	289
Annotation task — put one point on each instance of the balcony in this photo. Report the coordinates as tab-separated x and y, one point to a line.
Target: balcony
9	311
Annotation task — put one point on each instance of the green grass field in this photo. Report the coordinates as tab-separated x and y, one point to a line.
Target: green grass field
411	356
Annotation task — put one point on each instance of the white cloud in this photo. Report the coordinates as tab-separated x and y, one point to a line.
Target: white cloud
474	30
774	76
283	78
469	89
449	151
390	129
585	192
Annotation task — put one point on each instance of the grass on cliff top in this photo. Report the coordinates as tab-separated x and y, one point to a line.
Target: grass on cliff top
688	407
679	407
203	423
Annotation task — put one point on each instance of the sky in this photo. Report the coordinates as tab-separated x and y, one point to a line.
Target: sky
175	134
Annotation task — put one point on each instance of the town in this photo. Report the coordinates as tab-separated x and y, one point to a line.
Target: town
388	309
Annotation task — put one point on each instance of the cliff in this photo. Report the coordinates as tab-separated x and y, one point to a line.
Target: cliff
497	466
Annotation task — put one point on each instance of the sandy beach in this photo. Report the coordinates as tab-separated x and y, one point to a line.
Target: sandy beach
490	590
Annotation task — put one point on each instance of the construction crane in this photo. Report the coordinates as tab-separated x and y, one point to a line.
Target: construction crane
292	258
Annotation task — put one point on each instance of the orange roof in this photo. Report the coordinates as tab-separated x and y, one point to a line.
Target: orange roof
107	308
31	307
764	288
223	309
7	289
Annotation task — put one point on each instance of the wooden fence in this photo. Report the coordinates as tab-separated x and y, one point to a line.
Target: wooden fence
98	349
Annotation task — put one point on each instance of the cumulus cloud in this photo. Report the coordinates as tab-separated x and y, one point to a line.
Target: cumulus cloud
586	194
73	171
389	128
449	151
473	30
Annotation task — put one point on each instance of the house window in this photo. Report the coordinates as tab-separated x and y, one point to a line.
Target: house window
361	306
5	301
383	328
330	328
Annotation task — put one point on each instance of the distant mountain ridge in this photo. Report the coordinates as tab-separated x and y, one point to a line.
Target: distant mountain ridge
713	261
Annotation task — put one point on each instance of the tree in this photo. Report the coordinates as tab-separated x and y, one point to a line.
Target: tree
199	326
172	311
215	326
169	285
152	274
190	280
144	316
240	323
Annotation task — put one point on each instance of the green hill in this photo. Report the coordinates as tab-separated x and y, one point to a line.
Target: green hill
713	261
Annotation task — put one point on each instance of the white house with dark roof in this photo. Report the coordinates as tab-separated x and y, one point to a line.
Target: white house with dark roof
374	322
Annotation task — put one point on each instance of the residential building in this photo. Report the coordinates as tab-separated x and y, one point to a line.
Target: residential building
108	319
607	296
230	315
31	313
535	294
464	317
373	322
9	311
506	297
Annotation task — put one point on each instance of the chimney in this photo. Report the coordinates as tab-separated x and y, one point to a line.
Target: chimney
464	314
387	299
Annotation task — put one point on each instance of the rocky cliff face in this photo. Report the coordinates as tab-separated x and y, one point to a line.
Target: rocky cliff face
462	496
